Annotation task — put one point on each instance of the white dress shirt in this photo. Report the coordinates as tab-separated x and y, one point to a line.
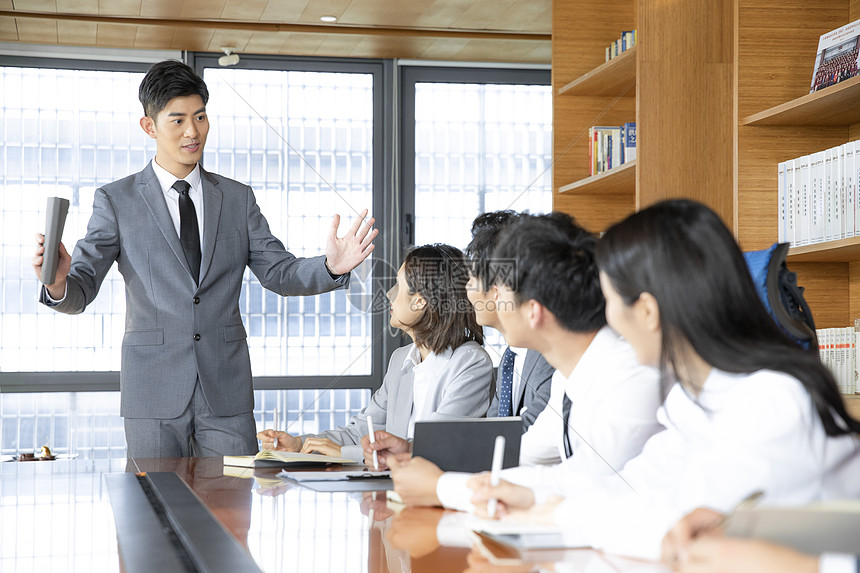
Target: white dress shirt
422	381
614	402
171	196
519	362
838	563
746	432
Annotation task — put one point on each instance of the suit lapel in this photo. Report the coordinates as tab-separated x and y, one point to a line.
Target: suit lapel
152	195
211	218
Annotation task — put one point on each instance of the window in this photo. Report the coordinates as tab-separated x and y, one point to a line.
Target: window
474	141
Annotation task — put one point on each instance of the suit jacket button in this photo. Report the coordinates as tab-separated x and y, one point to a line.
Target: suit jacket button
196	300
196	337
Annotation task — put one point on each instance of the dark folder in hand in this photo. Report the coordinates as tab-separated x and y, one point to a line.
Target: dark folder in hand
466	445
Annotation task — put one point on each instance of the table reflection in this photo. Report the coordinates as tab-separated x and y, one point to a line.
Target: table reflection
56	516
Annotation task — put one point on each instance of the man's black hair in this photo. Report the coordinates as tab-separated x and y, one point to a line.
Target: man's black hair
485	231
551	260
166	80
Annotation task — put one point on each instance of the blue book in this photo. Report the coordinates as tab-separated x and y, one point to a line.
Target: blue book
628	137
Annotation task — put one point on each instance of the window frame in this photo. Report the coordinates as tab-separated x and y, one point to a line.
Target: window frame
413	74
384	342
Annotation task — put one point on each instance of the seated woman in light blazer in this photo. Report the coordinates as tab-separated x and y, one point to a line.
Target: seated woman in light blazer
444	373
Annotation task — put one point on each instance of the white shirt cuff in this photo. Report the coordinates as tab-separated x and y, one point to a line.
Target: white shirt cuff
51	300
452	491
837	563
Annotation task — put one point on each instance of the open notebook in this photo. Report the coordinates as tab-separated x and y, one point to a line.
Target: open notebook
276	459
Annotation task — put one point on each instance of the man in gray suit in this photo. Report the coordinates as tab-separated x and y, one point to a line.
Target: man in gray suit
181	238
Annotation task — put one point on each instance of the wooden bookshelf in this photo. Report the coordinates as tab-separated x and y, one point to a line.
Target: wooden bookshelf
620	180
852	403
836	105
617	77
841	251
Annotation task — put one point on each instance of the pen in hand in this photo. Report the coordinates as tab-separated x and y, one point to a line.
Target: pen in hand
498	456
372	437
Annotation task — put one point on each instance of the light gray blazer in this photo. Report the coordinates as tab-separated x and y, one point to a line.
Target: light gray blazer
162	356
533	393
462	391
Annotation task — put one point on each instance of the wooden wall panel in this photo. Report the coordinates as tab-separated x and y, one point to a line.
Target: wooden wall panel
8	30
685	103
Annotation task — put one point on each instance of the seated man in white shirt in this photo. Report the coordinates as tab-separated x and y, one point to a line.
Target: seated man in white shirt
603	406
524	377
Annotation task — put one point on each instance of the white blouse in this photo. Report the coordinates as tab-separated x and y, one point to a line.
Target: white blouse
746	432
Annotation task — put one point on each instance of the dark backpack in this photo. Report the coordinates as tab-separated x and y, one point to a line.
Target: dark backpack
782	297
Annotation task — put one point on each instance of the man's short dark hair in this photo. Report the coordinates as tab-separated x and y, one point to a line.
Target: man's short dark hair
166	80
485	231
554	265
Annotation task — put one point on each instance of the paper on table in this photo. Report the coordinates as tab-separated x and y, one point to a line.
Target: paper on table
333	476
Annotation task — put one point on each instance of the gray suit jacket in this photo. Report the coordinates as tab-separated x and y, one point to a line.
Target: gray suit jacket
176	331
463	379
533	393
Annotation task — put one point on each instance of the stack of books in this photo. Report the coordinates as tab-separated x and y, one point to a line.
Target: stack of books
838	350
611	146
817	196
622	44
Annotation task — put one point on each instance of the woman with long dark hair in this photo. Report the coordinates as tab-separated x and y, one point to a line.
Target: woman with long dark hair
445	372
746	409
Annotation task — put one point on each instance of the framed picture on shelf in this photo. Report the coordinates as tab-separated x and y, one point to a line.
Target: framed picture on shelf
837	56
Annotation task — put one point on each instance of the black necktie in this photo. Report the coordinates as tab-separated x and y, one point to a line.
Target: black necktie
565	413
189	235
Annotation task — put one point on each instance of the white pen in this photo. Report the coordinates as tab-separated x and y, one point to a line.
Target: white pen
372	441
275	444
498	456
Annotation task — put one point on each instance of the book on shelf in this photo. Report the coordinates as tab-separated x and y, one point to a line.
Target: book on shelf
611	146
275	459
837	348
621	45
837	56
818	197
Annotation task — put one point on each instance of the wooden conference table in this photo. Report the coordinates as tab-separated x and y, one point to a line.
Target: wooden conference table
57	516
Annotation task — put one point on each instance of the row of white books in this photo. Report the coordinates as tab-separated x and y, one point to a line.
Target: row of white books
818	196
611	146
838	350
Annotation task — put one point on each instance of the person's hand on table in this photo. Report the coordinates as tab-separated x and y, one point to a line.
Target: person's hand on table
415	480
717	554
321	445
386	445
286	442
699	521
511	497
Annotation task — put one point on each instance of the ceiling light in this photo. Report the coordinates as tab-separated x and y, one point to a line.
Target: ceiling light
229	58
328	18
